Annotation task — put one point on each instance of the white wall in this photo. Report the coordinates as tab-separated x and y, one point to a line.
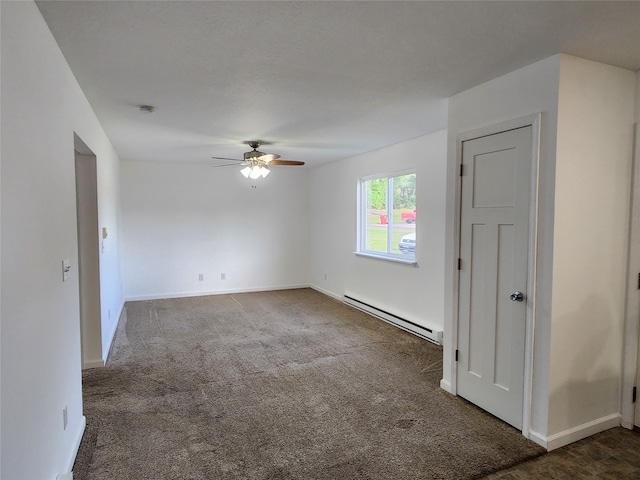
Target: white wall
42	107
109	217
587	111
592	193
415	293
180	221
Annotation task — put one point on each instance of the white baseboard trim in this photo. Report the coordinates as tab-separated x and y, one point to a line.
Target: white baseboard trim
75	446
446	386
106	346
538	438
160	296
326	292
93	364
574	434
626	424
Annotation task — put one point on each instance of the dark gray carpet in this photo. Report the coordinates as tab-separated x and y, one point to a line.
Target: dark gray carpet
279	385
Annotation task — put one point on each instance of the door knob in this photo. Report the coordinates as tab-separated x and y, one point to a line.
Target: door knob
517	296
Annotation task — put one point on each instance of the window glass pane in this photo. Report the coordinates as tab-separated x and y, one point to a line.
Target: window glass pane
376	216
389	216
403	224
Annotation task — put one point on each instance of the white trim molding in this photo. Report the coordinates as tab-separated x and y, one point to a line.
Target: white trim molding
538	438
160	296
560	439
318	289
76	445
446	386
93	364
111	335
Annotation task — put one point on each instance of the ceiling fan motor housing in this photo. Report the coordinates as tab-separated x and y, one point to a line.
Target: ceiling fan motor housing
252	154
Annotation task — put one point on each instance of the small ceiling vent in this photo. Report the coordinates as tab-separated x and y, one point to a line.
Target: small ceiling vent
147	109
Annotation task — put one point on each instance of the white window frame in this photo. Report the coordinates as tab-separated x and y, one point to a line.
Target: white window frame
361	240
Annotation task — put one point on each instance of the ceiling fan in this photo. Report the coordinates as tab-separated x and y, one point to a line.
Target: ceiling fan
256	164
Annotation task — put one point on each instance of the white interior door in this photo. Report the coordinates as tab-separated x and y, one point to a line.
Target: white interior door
494	236
633	293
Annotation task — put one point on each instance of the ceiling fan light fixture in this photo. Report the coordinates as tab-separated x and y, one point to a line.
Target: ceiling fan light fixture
265	171
256	172
246	171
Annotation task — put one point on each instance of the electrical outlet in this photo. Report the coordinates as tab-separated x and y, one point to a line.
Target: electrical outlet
65	418
200	277
223	276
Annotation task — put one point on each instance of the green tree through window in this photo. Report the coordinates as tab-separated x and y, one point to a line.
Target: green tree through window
377	193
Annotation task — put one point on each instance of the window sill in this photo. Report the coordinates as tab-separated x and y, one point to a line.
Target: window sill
412	262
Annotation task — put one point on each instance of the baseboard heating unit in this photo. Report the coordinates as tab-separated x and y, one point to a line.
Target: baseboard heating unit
422	332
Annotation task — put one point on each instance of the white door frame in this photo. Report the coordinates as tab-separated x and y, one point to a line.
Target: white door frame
534	122
632	310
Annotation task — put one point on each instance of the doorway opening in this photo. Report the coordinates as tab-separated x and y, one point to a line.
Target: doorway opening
88	255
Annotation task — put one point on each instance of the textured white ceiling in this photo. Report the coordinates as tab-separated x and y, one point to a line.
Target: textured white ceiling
320	80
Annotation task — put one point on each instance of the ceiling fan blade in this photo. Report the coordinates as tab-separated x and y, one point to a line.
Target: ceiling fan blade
230	159
285	162
269	157
227	165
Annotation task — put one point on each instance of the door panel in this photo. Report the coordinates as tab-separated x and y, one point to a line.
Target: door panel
478	301
494	233
502	374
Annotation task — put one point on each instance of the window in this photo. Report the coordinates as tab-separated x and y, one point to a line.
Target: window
387	216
